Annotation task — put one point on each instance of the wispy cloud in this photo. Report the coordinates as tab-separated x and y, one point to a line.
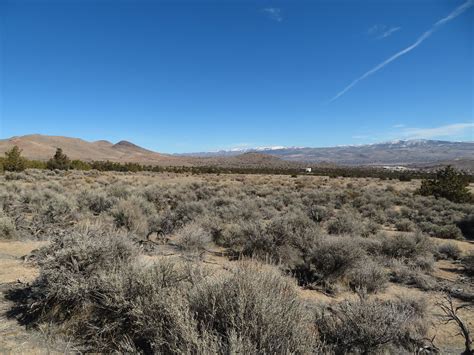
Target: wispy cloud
452	131
382	31
274	13
399	125
458	11
389	32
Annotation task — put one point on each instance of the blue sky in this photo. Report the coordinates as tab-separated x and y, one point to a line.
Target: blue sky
182	76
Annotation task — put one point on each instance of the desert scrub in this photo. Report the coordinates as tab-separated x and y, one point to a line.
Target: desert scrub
69	268
368	276
405	225
257	308
95	201
408	246
193	239
328	260
7	228
131	215
345	222
371	326
449	251
468	263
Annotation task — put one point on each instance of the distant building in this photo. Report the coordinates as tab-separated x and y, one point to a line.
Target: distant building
307	170
396	168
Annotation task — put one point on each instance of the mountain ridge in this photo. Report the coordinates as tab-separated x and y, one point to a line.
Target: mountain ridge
399	152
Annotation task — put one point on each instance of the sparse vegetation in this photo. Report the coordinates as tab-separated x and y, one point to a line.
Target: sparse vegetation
150	260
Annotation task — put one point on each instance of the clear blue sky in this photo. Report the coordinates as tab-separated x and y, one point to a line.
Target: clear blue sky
182	76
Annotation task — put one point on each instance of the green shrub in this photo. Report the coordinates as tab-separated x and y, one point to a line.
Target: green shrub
448	183
13	160
59	161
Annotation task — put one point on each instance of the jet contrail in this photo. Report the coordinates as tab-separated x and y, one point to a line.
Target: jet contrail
458	11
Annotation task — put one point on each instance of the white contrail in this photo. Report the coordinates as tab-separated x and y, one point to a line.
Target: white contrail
458	11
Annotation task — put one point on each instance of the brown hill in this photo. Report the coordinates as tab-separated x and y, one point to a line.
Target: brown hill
42	147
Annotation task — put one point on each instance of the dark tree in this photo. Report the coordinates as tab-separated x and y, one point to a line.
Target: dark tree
13	160
59	161
448	183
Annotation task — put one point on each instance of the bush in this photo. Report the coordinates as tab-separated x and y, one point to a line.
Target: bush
7	228
449	251
411	275
468	263
345	223
68	267
255	307
129	215
369	276
448	183
367	326
13	160
96	202
405	225
330	259
466	225
407	246
192	238
59	161
448	232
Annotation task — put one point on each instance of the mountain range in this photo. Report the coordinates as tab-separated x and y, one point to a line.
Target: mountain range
423	153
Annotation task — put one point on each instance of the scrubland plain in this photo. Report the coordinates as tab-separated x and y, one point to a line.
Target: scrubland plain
175	263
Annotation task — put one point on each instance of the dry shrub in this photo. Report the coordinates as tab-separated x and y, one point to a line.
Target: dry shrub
192	238
345	223
129	214
68	267
371	325
368	275
468	263
411	275
449	251
407	246
7	228
255	308
328	260
96	202
405	225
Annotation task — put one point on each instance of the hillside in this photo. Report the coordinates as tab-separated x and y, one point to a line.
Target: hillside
42	147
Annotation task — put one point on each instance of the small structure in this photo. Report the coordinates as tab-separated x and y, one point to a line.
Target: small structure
307	170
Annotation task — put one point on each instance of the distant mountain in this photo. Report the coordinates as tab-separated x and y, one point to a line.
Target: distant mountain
416	153
42	147
400	152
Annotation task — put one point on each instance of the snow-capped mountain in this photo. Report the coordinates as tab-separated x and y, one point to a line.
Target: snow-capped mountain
415	151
